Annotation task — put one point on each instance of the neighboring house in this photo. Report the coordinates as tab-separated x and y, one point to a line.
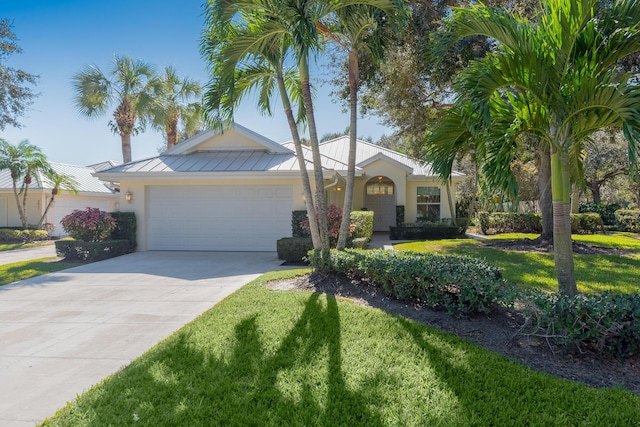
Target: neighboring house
235	191
91	193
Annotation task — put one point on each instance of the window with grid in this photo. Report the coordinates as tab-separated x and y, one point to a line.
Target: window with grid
428	203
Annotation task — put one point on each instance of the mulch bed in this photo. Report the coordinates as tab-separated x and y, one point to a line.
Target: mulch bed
499	332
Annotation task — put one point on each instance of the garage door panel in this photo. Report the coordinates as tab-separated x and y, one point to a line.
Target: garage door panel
218	217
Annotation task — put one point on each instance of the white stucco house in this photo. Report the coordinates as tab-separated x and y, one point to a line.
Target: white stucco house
91	193
235	190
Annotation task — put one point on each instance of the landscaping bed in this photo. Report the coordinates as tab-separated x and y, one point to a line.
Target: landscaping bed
499	332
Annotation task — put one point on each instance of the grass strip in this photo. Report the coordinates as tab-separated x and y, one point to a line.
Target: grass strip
296	358
10	273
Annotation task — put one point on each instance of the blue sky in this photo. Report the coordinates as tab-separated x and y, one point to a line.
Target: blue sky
59	38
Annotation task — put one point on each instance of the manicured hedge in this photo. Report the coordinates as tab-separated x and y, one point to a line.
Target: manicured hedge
77	250
606	211
424	230
10	235
629	220
363	222
125	228
504	222
607	323
293	249
460	285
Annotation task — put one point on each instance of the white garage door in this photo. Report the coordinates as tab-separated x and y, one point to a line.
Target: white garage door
218	218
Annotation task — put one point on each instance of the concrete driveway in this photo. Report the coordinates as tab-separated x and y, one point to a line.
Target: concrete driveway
63	332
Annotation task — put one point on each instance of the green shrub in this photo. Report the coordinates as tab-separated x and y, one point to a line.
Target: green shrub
78	250
605	210
590	223
504	222
363	224
424	230
607	323
125	228
460	285
629	220
293	249
22	236
297	218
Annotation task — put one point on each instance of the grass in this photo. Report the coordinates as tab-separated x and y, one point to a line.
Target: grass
272	358
10	273
594	273
13	246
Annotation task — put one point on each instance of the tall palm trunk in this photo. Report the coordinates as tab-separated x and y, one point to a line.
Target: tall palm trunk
321	210
22	212
172	129
562	245
351	162
54	193
306	184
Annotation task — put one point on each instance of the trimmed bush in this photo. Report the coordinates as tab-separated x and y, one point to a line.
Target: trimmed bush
460	285
504	222
424	230
607	323
293	249
22	236
89	225
77	250
590	223
125	228
363	224
629	220
607	211
297	230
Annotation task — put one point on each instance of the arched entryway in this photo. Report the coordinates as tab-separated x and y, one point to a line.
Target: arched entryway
380	197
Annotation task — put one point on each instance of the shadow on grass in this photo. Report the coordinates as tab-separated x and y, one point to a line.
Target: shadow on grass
180	384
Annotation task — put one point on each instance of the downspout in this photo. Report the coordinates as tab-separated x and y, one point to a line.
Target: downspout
336	178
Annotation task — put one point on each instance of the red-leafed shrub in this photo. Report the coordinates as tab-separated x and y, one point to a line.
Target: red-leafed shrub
89	225
334	217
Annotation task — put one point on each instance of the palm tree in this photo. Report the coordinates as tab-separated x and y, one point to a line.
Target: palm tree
58	182
241	64
556	79
357	29
125	86
22	161
173	102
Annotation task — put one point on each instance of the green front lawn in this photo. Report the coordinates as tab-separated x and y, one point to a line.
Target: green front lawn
594	273
275	358
10	273
12	246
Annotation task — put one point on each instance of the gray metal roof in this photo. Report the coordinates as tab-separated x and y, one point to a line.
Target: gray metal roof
339	149
87	183
213	161
104	165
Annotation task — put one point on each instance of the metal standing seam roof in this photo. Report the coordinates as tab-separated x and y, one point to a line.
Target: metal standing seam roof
213	161
87	183
339	149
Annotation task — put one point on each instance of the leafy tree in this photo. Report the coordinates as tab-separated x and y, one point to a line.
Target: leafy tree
15	91
355	29
58	183
246	56
605	159
174	102
22	161
556	78
126	87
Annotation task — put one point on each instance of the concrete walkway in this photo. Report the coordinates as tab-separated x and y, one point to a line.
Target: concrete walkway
380	240
63	332
18	255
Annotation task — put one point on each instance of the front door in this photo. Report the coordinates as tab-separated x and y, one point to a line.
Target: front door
381	199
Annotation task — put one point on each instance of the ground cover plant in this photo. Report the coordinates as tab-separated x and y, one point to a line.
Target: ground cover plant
269	357
10	273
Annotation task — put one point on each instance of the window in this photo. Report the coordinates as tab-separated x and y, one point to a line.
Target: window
380	187
428	202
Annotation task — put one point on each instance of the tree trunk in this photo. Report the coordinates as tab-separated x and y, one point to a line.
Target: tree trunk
562	245
172	130
44	214
575	199
351	162
306	184
546	201
126	147
321	209
595	191
22	212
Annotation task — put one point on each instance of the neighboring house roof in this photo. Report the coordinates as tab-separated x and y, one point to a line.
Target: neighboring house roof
367	153
87	183
104	165
327	162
